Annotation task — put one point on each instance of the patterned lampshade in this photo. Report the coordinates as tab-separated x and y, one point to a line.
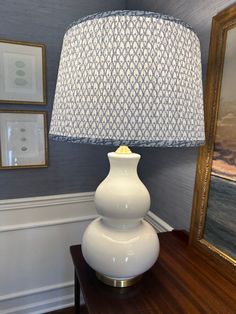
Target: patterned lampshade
130	78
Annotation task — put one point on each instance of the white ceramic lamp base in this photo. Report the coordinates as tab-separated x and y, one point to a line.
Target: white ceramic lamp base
120	245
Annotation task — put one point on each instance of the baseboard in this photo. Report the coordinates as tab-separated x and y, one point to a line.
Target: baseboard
159	224
41	300
30	292
44	300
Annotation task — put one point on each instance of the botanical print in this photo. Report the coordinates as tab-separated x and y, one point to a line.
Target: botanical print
22	72
19	70
22	138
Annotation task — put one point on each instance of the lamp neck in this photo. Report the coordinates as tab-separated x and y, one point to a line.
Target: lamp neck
123	164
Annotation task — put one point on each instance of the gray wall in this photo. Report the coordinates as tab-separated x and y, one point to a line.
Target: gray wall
73	168
168	173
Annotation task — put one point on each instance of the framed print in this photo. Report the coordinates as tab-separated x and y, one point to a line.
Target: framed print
213	227
22	73
23	139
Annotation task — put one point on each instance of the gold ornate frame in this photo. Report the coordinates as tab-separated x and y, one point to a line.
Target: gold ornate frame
221	23
24	43
45	119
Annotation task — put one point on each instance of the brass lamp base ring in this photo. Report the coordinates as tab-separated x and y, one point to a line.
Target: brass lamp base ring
117	282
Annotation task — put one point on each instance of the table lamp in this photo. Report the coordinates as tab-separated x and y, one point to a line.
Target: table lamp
127	78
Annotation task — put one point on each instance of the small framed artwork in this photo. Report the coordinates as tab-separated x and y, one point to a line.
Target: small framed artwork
23	139
22	73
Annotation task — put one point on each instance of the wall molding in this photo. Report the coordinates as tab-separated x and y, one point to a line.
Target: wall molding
48	200
47	223
46	211
159	224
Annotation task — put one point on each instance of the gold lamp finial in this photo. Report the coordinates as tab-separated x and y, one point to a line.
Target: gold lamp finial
123	150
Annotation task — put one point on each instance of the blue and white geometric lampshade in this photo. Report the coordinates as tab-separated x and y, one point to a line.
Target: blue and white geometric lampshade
131	78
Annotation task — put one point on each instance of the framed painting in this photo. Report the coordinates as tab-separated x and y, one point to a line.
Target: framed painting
22	73
213	227
23	139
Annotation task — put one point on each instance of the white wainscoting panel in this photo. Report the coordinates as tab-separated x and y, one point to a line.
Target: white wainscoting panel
36	271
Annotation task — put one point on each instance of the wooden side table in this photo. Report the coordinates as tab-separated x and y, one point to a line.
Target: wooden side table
179	282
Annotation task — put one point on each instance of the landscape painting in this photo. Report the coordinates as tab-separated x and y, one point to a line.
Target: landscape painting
220	226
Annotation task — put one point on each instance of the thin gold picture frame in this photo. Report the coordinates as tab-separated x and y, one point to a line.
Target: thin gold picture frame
221	24
45	121
44	84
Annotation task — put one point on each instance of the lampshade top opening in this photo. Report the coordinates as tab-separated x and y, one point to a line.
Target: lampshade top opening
146	14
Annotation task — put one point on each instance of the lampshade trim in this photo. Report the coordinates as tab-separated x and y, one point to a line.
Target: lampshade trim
131	13
138	143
